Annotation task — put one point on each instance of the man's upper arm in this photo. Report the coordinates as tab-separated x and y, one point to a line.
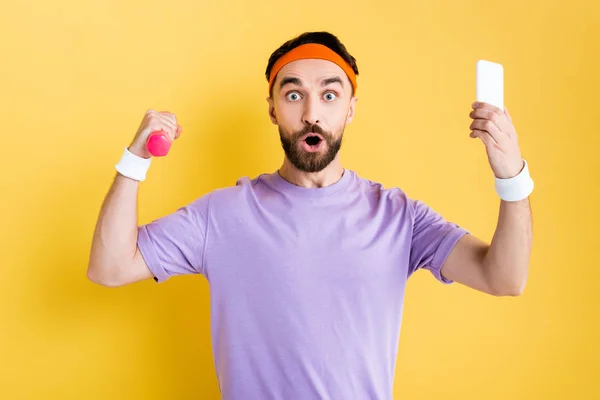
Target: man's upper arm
464	264
450	252
433	238
136	271
174	244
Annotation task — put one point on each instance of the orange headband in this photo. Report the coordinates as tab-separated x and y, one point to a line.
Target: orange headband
312	50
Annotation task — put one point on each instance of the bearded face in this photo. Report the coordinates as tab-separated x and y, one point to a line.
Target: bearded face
312	148
311	103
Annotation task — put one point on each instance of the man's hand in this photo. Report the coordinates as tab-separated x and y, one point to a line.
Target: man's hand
495	129
154	121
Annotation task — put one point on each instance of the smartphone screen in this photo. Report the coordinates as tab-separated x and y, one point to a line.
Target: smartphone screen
490	83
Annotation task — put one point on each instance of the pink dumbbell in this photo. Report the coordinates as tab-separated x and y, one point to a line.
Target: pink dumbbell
158	144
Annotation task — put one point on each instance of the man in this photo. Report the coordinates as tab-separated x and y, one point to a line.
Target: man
307	265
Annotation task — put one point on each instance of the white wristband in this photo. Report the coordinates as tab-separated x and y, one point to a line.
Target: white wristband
133	166
516	188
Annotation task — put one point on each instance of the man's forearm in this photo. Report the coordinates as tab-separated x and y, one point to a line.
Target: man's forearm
507	259
115	234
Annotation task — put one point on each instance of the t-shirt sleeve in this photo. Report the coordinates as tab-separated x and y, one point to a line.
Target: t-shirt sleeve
432	240
174	244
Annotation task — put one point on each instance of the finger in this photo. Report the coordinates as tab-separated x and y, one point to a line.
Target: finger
171	133
157	125
489	127
507	114
486	113
162	115
177	129
486	106
169	115
165	116
499	120
168	123
485	137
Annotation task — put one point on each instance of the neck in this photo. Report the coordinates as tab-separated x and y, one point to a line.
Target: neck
328	176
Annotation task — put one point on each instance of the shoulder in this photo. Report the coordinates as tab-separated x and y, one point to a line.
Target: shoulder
240	193
242	188
391	196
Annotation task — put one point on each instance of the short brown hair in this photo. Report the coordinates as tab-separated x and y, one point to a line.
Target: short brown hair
324	38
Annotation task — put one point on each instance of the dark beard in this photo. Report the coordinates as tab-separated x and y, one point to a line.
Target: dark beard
305	161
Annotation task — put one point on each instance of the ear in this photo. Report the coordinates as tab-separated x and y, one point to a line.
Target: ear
351	110
272	110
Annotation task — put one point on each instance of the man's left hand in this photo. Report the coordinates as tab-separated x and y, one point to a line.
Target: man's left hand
495	129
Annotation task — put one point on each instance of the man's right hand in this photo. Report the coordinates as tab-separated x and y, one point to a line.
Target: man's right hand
154	121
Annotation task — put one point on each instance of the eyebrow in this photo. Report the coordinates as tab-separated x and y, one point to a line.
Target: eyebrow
290	80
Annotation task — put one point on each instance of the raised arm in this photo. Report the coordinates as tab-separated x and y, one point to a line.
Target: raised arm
115	258
501	267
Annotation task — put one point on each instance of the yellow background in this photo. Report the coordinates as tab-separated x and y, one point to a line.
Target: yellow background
76	78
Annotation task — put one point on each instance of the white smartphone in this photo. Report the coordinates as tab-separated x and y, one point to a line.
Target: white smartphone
490	83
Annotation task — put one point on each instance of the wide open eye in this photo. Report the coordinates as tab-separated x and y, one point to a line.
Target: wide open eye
330	96
293	96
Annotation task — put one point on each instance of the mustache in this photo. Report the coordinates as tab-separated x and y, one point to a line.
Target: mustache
312	129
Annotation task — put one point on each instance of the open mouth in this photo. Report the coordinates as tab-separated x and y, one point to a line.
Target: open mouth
312	140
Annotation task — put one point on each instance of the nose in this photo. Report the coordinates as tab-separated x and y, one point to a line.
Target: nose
311	112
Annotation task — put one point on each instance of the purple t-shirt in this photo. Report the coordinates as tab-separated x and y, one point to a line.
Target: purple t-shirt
306	285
